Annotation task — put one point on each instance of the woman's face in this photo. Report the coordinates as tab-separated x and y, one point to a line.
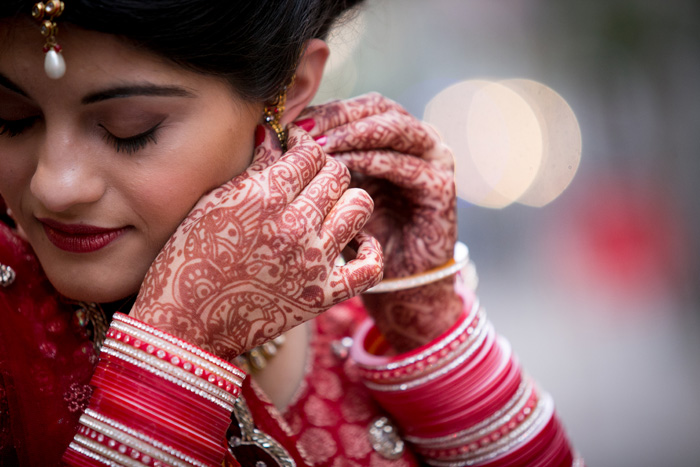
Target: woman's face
101	166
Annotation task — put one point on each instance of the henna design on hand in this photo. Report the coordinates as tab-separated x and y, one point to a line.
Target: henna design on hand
256	256
409	174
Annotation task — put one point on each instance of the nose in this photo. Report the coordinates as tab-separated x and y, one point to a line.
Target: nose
65	177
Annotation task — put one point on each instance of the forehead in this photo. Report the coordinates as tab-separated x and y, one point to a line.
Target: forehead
93	60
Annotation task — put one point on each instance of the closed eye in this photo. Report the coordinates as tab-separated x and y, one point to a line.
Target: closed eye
132	144
12	128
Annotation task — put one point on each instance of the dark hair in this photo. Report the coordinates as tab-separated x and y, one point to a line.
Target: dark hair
254	44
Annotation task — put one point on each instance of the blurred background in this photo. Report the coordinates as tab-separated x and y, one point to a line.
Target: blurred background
576	131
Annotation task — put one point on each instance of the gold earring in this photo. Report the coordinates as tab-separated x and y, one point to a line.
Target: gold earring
272	114
45	14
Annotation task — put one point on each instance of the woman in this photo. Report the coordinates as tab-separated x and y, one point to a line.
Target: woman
164	176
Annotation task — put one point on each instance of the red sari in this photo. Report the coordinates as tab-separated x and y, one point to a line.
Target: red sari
47	361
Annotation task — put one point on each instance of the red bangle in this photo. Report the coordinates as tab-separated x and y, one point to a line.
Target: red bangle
157	399
469	400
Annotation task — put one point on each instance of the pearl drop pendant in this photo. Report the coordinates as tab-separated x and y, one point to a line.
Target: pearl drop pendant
54	64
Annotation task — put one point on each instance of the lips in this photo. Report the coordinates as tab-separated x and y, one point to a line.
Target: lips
79	238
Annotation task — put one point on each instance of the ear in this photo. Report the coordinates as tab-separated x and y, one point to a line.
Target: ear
307	80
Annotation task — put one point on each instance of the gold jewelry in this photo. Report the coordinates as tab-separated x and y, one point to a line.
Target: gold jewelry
458	263
45	14
272	114
91	316
256	358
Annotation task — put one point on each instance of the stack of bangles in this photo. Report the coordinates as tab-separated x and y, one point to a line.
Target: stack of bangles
157	400
463	399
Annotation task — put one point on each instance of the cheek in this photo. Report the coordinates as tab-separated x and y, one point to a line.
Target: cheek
16	172
163	199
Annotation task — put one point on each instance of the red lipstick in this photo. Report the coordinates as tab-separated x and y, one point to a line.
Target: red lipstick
79	238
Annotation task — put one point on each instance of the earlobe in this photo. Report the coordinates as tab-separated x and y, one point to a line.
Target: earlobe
307	79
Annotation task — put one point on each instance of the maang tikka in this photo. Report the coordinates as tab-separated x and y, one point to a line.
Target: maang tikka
45	14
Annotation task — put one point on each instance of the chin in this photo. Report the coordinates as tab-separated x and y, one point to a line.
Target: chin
93	291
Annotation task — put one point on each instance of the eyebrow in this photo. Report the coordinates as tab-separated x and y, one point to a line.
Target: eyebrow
117	92
121	92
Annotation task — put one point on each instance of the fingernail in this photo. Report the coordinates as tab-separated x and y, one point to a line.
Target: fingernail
321	140
259	135
307	124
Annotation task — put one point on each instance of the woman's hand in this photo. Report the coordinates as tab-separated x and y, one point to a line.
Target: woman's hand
404	166
256	256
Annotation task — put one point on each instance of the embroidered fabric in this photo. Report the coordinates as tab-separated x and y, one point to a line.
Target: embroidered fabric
46	361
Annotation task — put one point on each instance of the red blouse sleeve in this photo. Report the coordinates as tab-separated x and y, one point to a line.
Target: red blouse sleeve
464	399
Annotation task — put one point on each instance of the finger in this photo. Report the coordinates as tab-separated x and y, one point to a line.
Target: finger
360	274
284	179
344	221
318	119
318	198
388	130
402	170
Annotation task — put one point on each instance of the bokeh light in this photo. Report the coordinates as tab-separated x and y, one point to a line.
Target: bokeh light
514	141
561	137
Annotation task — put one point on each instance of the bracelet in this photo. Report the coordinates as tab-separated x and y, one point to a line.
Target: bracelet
157	400
459	262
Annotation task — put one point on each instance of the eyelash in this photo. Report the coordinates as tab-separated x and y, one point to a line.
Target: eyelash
134	143
13	128
129	145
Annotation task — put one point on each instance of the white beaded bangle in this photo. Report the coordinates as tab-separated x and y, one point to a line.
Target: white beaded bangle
461	259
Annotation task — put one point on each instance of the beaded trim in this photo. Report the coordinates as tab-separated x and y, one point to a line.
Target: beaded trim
449	352
175	356
180	343
141	454
168	377
460	260
485	437
118	457
96	418
474	345
148	448
173	370
539	418
433	348
92	455
235	377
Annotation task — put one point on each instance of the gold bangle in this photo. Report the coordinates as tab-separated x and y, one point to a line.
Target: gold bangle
459	262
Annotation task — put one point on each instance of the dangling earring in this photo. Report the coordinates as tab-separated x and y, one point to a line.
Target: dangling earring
45	14
272	114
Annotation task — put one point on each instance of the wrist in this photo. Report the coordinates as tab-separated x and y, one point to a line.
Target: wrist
413	317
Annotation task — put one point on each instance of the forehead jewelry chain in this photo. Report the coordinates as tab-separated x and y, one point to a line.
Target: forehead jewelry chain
45	14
